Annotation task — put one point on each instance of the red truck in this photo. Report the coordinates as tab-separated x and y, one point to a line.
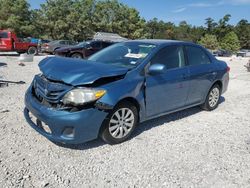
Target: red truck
10	42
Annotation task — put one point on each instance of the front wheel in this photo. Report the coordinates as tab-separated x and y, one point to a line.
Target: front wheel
213	97
32	50
120	123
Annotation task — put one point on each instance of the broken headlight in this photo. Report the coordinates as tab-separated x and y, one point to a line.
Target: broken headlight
82	96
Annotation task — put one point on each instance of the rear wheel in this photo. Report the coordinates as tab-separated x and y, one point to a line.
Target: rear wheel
213	97
32	50
76	55
120	123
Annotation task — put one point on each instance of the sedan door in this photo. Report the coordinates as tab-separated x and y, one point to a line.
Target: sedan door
202	74
167	91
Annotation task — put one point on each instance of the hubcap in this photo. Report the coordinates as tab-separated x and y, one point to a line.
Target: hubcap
121	123
214	97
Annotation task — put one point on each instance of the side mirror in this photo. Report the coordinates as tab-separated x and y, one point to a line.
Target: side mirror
156	69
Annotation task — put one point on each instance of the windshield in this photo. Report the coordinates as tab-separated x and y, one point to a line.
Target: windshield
83	44
127	54
3	34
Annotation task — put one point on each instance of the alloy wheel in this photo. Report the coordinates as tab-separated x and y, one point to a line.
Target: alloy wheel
214	96
121	123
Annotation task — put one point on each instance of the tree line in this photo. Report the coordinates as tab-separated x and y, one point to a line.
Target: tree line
78	20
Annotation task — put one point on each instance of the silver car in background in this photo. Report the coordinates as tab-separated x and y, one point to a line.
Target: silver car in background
54	45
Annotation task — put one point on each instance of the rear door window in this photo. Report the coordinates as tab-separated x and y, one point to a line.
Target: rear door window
196	56
63	42
171	56
4	35
72	43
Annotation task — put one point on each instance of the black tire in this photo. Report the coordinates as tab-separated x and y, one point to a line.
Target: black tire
106	132
76	55
32	50
210	105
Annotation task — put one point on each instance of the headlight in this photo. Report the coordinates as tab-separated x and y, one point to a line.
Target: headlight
82	96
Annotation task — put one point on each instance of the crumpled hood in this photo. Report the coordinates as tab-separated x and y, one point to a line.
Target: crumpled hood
77	72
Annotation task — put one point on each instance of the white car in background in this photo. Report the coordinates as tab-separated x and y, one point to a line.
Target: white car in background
243	53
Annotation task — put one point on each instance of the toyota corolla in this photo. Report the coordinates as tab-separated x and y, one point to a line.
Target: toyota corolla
74	101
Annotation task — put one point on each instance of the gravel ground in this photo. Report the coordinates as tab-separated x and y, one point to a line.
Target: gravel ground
191	148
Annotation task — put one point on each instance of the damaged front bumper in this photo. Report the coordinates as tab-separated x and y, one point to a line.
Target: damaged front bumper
64	126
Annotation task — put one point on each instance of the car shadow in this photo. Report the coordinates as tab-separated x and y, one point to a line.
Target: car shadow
142	127
3	64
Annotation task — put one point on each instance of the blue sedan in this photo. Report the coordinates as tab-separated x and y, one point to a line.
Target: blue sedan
75	101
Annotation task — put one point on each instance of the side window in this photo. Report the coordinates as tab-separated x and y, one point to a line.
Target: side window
72	43
62	42
196	56
171	56
4	35
96	45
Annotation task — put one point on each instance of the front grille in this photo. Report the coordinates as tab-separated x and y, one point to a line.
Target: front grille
49	92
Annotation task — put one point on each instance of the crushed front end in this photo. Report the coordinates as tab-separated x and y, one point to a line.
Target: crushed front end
48	115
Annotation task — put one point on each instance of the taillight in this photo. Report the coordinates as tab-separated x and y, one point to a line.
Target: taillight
228	69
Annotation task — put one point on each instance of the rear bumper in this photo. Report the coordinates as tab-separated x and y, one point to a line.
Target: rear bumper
46	50
86	123
225	83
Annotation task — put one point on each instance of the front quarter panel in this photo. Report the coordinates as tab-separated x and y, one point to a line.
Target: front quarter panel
132	86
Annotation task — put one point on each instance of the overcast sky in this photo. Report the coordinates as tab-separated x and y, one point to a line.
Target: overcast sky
193	11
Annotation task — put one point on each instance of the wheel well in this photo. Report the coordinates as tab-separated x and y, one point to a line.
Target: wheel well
218	82
127	99
55	49
134	102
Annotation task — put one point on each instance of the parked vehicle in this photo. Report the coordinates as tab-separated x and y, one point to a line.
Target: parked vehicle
222	53
243	53
83	49
42	42
10	42
52	46
127	83
109	37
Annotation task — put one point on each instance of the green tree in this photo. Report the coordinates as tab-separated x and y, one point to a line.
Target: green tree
243	31
155	29
230	42
170	30
183	31
53	18
115	17
209	42
16	16
223	27
210	25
